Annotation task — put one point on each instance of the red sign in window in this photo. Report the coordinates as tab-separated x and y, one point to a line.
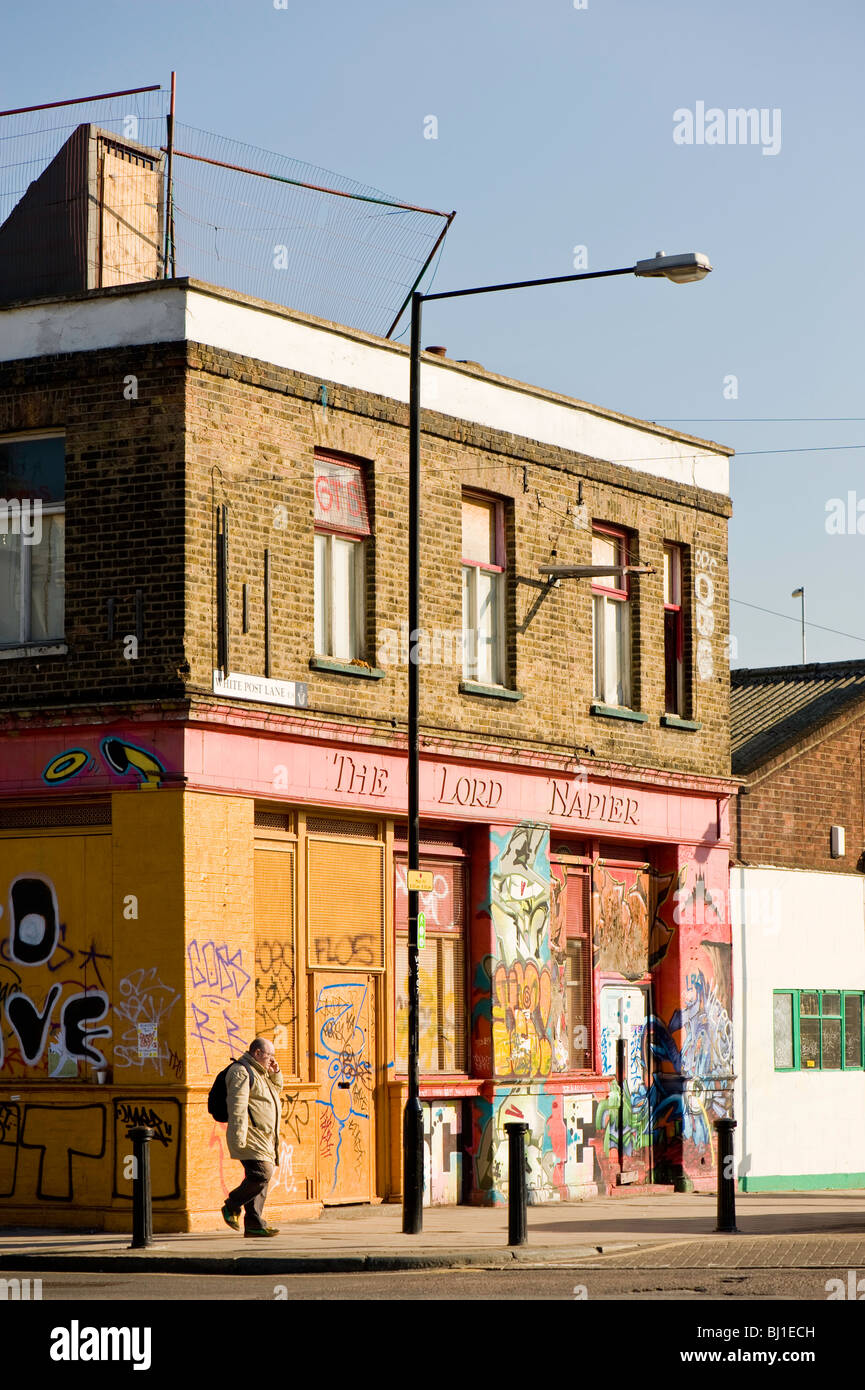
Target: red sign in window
340	497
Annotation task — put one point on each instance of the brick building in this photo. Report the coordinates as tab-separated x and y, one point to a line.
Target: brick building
798	914
203	764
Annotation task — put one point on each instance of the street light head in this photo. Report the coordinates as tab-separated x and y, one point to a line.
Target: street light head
691	265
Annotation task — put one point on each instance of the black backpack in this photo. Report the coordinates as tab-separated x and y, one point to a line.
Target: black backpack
217	1096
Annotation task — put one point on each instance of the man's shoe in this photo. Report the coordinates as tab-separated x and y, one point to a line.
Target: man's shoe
230	1217
262	1231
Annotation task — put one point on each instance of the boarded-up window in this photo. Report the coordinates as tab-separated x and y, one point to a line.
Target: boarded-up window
345	893
441	969
275	975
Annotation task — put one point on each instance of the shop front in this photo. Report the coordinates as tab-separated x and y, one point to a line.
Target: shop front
173	886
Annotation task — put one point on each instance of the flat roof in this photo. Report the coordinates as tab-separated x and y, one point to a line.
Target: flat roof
187	310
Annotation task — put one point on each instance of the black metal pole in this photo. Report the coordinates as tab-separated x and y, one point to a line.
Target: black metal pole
726	1178
518	1228
412	1130
142	1207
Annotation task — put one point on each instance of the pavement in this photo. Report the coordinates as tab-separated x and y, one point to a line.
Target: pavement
776	1230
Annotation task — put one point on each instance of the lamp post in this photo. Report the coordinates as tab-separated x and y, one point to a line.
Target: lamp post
800	593
680	269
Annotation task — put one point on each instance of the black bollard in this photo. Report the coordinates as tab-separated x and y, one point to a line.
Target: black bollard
142	1207
518	1231
726	1178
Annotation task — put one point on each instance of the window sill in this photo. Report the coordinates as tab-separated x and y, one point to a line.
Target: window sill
489	692
33	649
634	716
672	721
345	668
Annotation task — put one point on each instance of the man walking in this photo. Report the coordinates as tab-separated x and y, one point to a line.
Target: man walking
252	1087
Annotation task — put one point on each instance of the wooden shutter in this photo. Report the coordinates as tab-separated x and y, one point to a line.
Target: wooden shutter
345	892
275	973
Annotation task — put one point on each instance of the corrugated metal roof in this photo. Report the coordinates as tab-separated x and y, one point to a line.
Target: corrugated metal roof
773	706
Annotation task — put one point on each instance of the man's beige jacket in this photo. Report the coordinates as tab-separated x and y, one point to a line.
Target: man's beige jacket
253	1111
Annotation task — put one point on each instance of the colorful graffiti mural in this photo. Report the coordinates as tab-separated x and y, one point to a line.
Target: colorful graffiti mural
559	1155
663	1114
120	756
442	1135
524	980
343	1032
620	897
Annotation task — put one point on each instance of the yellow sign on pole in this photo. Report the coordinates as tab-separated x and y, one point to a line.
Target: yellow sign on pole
420	880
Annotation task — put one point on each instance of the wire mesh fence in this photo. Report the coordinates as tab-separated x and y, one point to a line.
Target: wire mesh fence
99	192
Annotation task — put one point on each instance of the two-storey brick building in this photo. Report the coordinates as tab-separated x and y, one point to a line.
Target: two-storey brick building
203	764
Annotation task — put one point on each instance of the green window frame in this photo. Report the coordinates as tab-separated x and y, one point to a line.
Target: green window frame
818	1029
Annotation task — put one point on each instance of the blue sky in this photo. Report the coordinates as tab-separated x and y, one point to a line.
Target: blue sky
555	130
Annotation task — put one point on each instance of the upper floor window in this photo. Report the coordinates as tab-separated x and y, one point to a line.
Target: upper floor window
611	618
483	560
674	632
32	535
341	530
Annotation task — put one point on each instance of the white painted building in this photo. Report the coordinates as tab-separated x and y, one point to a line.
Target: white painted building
797	910
797	935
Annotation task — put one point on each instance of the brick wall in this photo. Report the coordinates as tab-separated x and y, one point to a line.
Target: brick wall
255	429
124	519
784	814
249	432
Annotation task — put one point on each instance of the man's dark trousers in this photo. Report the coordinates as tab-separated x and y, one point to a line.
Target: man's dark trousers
251	1193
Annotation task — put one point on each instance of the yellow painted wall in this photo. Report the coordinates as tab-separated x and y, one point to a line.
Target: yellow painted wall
117	894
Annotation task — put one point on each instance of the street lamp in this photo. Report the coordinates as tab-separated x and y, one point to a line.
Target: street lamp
680	269
800	593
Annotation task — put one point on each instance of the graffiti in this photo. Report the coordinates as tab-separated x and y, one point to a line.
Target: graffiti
92	957
621	917
275	1005
10	982
65	765
144	1001
127	757
358	949
133	1115
442	1154
559	1155
704	592
522	998
217	1141
34	917
36	939
203	1030
284	1176
340	1015
520	897
699	907
31	1026
162	1114
685	1083
522	988
662	932
215	972
120	756
295	1115
60	1134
